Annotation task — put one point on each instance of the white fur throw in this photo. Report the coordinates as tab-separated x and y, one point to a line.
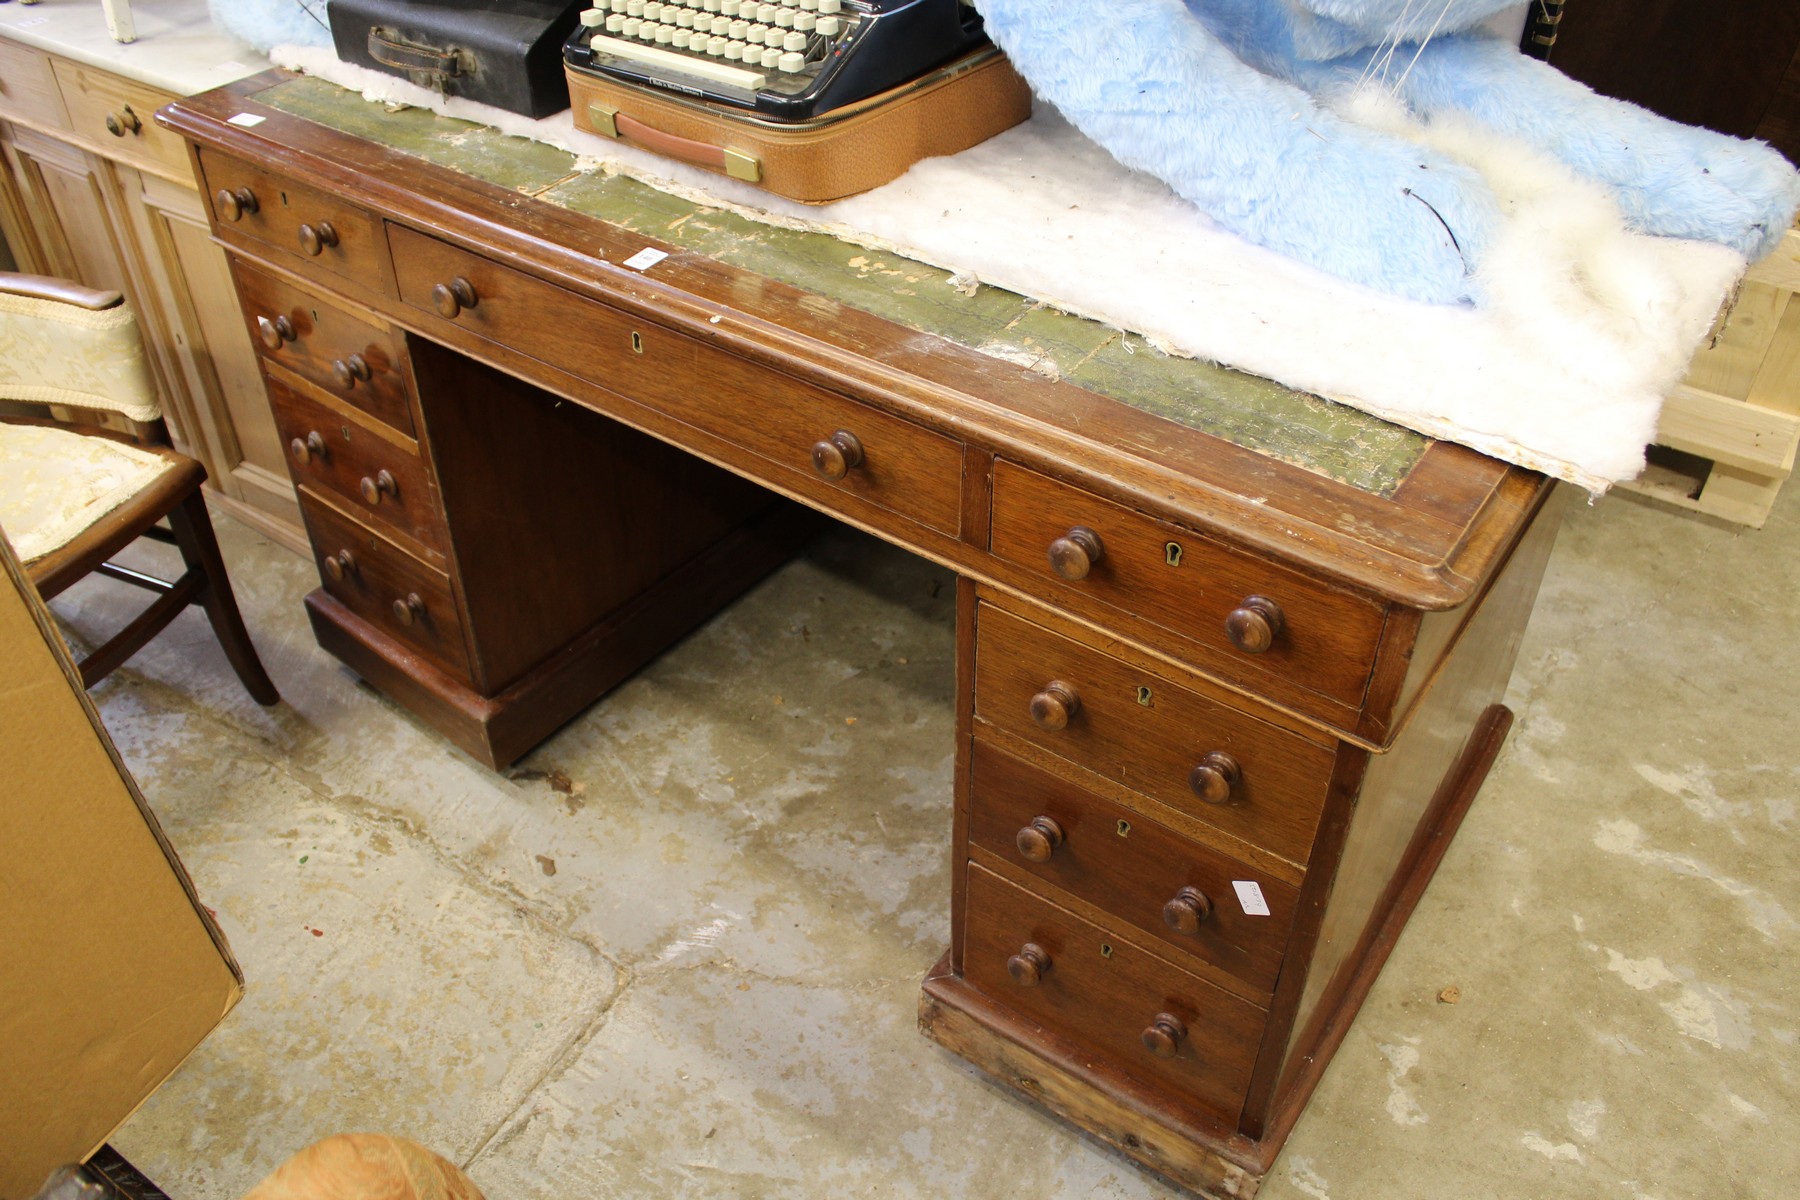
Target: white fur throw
1562	370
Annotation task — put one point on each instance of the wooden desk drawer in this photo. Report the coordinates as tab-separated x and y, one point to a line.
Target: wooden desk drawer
1106	993
386	586
1130	866
310	229
28	90
116	113
1150	734
904	469
377	472
1328	638
355	360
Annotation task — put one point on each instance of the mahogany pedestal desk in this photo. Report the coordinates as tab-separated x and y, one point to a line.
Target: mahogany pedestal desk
1229	658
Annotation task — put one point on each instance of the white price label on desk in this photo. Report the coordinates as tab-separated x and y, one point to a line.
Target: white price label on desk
1250	895
644	259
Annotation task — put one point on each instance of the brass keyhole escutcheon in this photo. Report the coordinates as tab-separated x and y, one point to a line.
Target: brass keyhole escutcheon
1143	696
1106	950
637	342
1172	553
1124	828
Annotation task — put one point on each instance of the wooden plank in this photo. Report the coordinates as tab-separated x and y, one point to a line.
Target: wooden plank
1747	436
1781	267
1777	386
1727	366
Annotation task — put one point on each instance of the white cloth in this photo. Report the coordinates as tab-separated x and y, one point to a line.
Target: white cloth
54	483
1565	372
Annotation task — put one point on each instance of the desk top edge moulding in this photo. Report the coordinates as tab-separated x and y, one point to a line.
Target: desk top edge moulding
1229	659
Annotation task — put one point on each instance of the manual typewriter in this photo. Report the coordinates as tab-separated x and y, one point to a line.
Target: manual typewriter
788	60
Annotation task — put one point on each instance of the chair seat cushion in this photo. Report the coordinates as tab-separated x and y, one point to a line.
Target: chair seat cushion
55	483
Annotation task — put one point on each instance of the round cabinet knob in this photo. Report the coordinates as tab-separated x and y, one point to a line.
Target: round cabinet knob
1040	839
340	566
350	371
1254	625
410	610
308	448
1164	1036
1187	911
1029	966
315	238
1074	554
834	457
274	331
123	122
1214	777
451	298
234	204
1055	705
382	484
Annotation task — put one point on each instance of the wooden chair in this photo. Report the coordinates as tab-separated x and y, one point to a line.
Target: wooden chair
73	494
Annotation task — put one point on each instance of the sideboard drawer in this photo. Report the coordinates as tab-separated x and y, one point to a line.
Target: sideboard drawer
386	586
903	468
378	473
1100	990
354	359
1253	780
28	88
117	112
1180	891
309	228
1190	585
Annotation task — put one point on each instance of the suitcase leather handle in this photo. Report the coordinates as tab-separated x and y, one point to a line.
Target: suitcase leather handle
410	56
615	124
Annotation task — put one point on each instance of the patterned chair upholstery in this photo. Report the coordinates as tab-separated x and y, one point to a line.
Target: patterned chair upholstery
73	494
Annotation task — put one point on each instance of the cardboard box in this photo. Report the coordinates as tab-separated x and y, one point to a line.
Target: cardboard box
110	970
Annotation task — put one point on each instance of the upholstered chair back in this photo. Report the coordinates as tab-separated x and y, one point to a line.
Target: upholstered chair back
58	353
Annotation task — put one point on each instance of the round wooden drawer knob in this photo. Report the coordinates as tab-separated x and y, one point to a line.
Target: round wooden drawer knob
834	457
1074	554
410	610
123	122
350	370
340	566
381	484
1029	966
1254	625
1187	911
451	298
1164	1036
308	448
314	238
274	331
234	203
1040	839
1055	705
1214	777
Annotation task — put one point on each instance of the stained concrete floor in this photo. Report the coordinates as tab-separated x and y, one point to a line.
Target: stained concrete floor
676	952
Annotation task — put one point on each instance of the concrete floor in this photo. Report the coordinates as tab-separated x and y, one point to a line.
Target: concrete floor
676	952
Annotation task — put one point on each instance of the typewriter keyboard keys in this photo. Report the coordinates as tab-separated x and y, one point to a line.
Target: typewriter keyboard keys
715	46
652	11
805	22
829	7
829	26
614	23
634	8
591	17
729	7
785	18
791	43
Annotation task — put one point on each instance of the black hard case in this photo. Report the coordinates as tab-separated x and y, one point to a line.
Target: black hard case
507	53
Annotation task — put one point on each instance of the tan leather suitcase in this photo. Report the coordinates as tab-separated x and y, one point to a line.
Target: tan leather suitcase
841	153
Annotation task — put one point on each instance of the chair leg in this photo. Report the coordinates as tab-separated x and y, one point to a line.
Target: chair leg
194	535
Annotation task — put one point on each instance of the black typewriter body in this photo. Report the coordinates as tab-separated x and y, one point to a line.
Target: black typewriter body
810	56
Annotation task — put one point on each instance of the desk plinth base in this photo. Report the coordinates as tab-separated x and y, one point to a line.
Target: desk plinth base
499	729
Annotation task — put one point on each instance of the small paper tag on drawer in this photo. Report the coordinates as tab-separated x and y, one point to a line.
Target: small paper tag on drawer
1251	897
644	259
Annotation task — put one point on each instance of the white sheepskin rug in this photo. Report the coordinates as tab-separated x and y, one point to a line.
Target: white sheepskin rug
1563	370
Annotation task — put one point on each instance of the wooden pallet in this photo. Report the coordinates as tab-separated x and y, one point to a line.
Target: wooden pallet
1728	434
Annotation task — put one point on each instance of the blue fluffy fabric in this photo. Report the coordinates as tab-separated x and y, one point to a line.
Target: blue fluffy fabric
1232	104
269	23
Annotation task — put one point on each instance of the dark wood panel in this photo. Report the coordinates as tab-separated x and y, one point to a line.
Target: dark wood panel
1128	865
313	228
1151	743
557	515
1724	66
